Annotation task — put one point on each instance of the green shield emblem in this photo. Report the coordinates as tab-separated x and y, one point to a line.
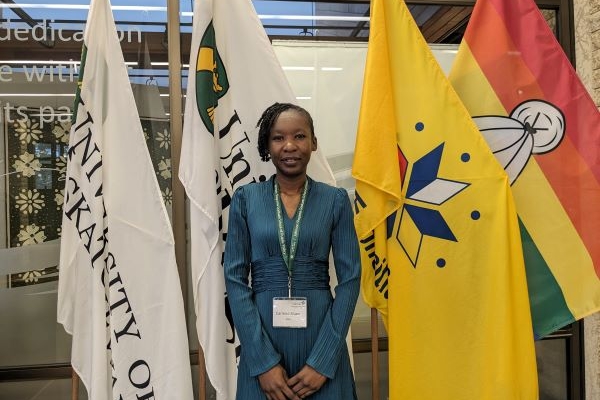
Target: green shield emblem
211	78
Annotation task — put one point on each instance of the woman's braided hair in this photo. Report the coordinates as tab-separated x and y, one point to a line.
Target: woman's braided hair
267	120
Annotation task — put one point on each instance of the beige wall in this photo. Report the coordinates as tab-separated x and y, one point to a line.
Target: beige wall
587	53
587	44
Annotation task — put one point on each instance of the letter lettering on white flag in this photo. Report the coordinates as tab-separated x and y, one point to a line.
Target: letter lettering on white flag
119	294
234	76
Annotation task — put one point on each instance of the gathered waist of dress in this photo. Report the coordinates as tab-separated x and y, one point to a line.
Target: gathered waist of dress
307	273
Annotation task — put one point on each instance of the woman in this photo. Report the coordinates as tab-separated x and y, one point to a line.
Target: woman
292	332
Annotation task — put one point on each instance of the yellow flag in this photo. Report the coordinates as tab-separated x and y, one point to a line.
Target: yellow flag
439	235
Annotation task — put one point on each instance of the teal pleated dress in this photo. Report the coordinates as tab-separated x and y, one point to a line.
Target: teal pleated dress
252	249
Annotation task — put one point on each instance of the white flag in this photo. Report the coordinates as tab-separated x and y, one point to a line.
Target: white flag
234	76
119	293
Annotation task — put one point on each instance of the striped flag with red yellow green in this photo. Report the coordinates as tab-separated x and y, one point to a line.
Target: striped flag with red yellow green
544	128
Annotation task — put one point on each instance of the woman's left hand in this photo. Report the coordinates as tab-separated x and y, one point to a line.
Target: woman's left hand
306	382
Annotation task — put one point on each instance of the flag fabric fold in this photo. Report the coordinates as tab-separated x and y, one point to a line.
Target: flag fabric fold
234	76
544	128
119	294
439	235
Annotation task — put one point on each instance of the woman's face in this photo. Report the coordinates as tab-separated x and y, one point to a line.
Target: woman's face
291	143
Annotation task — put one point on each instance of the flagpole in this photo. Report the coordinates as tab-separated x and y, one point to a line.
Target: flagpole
178	202
176	126
374	356
201	374
74	385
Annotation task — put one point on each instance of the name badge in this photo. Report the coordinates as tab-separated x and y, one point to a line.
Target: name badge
289	312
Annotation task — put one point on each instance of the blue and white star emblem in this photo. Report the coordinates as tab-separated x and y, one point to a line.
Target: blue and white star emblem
425	188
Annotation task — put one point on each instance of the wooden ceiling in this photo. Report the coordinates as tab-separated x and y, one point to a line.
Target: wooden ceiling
446	25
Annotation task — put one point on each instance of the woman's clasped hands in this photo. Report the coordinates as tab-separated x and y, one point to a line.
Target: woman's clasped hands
277	386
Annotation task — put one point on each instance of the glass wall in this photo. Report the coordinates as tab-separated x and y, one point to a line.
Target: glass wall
40	51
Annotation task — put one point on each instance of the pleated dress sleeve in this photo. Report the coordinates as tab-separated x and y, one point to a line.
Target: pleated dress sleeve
259	353
331	341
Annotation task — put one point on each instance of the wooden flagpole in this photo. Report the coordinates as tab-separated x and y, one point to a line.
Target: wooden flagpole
201	375
374	356
74	385
176	126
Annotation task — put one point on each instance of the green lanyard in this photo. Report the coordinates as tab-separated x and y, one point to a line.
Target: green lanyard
289	258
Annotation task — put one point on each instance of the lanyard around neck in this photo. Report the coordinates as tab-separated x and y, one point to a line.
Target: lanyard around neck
288	257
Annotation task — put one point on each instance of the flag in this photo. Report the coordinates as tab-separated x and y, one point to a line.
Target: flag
119	294
234	76
544	128
438	229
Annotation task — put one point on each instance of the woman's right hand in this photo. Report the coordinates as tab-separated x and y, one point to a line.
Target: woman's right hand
274	384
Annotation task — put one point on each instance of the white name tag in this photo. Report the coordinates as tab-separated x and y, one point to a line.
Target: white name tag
289	312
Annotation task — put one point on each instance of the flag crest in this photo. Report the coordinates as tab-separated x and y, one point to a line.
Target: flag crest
211	77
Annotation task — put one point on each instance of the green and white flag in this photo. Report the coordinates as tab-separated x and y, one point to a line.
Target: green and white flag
234	76
119	294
